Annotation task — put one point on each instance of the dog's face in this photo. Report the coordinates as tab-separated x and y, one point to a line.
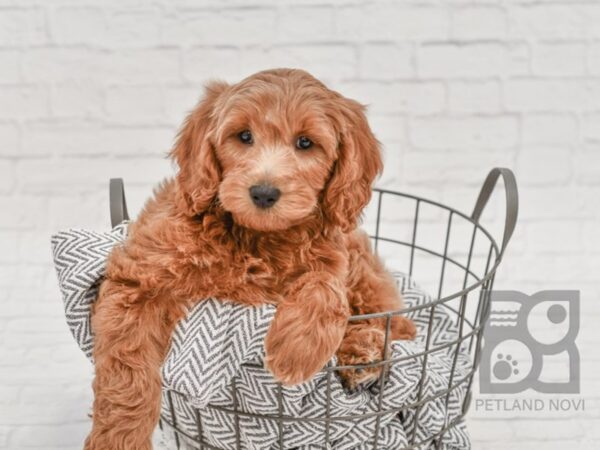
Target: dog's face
274	150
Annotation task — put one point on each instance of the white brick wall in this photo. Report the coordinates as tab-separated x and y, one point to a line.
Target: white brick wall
94	89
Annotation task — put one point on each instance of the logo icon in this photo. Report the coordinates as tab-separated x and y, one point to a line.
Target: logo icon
529	343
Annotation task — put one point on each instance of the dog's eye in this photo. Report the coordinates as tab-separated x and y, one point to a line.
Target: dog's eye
303	143
246	137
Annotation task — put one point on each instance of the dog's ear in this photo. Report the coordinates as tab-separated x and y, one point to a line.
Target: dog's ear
359	161
199	172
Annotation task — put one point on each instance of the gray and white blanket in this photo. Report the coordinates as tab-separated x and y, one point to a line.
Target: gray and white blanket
220	343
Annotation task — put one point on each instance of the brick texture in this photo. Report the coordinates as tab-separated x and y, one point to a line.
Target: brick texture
96	89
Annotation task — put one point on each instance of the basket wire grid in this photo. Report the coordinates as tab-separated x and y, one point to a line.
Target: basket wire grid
470	316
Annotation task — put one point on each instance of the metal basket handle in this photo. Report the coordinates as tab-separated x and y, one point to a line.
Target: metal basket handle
118	205
512	201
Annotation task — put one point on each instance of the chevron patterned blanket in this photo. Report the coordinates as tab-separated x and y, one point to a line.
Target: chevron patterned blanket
220	343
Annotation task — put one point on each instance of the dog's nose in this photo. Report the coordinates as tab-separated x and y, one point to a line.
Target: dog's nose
264	196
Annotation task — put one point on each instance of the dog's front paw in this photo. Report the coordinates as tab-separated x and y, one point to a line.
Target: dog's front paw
298	346
362	345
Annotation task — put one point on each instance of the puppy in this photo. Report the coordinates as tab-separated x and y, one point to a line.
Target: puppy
273	174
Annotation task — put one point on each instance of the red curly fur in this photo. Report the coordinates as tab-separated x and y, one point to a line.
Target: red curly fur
202	236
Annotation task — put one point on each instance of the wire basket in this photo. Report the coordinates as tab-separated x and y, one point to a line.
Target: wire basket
449	252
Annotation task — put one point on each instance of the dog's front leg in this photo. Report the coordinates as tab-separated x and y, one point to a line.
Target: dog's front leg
307	328
131	334
371	289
